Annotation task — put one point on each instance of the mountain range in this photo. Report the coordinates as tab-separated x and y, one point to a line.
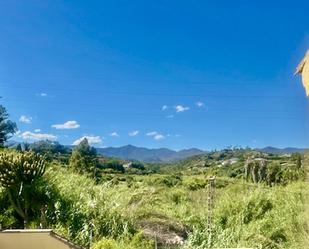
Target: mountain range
130	152
287	150
164	155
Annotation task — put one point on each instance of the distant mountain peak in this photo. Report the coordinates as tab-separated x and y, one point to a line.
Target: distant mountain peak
287	150
131	152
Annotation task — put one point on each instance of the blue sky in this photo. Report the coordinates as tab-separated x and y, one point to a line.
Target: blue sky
175	74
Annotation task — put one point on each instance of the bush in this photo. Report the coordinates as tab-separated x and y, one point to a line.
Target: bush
195	184
115	165
83	206
138	241
258	218
105	244
170	181
21	177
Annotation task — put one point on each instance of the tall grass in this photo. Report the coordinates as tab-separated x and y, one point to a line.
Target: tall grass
115	212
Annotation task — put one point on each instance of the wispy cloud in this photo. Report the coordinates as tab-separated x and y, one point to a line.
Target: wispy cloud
25	119
169	116
28	135
37	130
171	135
156	135
180	108
159	137
91	140
164	107
133	133
67	125
42	94
151	133
200	104
114	134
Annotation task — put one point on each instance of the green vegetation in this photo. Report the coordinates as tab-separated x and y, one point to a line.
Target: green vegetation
20	175
83	158
131	209
259	199
7	127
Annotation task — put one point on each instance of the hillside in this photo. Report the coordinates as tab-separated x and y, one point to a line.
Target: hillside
161	155
135	206
288	150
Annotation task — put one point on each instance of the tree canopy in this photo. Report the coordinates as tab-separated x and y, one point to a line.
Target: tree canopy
84	158
7	127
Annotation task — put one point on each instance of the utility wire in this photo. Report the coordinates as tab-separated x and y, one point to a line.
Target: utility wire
115	93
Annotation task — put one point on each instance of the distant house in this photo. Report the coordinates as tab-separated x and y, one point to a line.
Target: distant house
230	161
34	239
285	155
127	165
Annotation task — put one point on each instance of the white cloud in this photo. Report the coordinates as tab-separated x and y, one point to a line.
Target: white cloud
28	135
200	104
91	140
114	134
158	137
17	133
133	133
37	130
43	94
173	135
25	119
180	108
164	107
152	133
169	116
67	125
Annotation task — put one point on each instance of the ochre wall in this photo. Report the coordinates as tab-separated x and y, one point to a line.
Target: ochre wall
30	241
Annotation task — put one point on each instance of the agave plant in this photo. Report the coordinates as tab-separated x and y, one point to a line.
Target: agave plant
18	174
17	168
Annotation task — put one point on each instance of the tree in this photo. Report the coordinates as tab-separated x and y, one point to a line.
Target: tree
297	159
7	127
20	175
51	149
48	147
256	170
115	165
19	148
84	158
137	165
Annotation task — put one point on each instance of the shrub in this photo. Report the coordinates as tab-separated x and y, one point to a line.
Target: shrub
170	181
195	184
138	241
21	176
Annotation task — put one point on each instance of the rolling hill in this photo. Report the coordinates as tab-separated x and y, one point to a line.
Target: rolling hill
130	152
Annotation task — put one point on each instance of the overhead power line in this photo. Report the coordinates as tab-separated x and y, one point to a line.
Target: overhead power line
136	93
